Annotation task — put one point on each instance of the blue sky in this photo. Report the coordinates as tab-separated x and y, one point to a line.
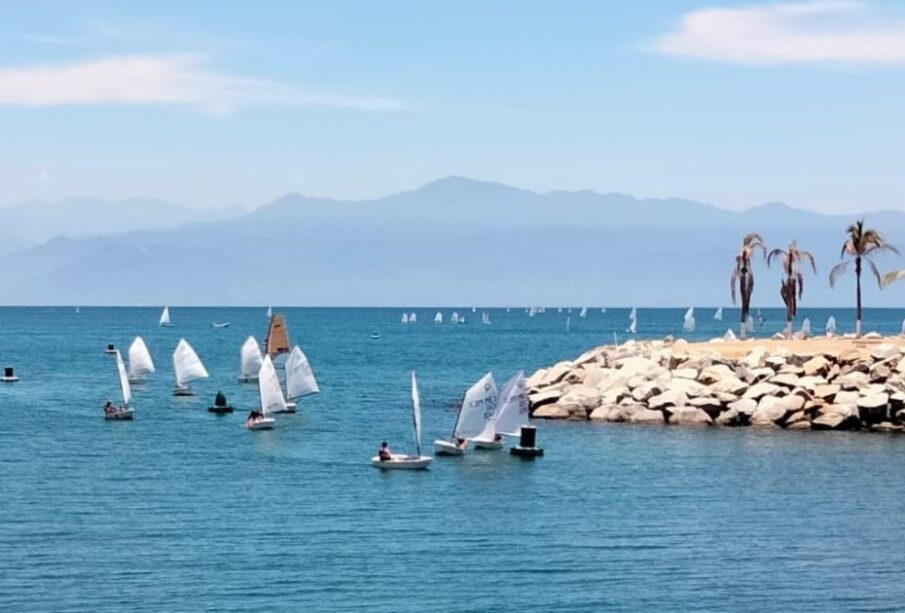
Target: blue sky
218	103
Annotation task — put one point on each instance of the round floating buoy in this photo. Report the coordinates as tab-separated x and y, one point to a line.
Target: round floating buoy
111	348
527	445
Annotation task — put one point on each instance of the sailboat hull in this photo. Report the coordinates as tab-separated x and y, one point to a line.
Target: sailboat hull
166	325
449	448
402	462
183	391
120	415
489	445
262	423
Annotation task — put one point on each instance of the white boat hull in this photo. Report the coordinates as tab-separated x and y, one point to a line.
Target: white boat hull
110	351
166	325
9	379
443	447
248	379
120	414
401	462
262	423
491	445
183	391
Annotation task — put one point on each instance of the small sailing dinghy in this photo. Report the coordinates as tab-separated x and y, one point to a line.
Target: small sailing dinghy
688	324
140	362
511	414
269	312
125	411
375	336
165	318
272	400
831	326
405	318
188	367
404	461
584	312
300	379
568	323
413	318
277	340
633	321
478	407
718	316
250	360
485	318
438	318
454	318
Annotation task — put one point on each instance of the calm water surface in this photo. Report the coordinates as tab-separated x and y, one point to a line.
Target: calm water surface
181	510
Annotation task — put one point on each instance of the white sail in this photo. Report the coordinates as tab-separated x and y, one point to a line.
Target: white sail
269	312
688	323
718	316
584	312
806	327
140	362
633	321
416	413
485	318
78	310
413	318
123	380
405	318
300	379
531	311
749	323
165	316
250	358
730	335
272	400
568	323
831	325
477	411
603	310
454	318
438	318
903	327
559	310
513	407
187	365
474	309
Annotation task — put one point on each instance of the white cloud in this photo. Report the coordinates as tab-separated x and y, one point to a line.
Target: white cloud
171	79
820	32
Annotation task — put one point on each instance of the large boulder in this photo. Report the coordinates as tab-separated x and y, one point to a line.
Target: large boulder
835	421
669	398
846	398
818	365
715	373
689	387
885	351
708	404
548	395
853	380
744	406
755	358
551	411
729	385
786	380
638	365
685	373
647	416
580	396
689	416
874	408
730	417
770	411
826	391
759	390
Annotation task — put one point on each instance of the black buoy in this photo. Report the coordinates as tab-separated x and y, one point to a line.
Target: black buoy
220	404
527	444
111	348
9	375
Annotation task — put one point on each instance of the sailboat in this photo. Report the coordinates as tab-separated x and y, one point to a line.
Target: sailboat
478	406
413	317
511	414
454	319
250	360
485	318
165	318
831	326
124	411
718	316
408	462
220	325
438	318
188	367
272	400
568	324
277	341
806	327
78	310
688	323
140	362
269	312
405	318
583	313
531	311
633	321
300	379
474	309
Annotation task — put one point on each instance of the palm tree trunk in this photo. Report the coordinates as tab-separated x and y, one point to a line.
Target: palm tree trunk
858	299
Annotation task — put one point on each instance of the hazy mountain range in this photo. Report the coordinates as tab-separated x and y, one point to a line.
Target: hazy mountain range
455	241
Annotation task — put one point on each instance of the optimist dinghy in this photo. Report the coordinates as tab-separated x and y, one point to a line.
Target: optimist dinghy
250	360
140	362
511	415
478	407
124	412
402	461
188	367
272	400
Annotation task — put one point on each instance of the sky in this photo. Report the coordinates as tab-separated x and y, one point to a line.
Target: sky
211	104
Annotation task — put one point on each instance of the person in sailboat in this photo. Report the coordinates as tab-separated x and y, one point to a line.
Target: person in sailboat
254	416
384	453
109	408
461	443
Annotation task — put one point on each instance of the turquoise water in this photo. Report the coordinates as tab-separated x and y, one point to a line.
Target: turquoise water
181	510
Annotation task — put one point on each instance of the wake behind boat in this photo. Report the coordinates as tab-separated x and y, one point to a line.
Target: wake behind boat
394	461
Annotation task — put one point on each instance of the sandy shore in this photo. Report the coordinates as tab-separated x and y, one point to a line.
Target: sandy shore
811	346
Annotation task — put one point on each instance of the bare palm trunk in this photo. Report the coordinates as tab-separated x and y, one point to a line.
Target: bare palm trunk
858	299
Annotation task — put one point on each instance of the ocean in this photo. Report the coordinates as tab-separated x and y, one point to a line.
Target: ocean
182	510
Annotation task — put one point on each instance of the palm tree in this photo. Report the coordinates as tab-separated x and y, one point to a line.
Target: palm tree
744	276
861	243
793	284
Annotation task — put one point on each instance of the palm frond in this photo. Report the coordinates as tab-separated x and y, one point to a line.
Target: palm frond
773	254
893	276
873	268
837	270
732	281
806	255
